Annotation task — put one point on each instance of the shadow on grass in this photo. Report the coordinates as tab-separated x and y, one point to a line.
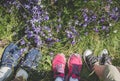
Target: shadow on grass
48	75
85	75
41	76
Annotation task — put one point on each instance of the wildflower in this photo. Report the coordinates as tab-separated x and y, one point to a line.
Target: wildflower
22	42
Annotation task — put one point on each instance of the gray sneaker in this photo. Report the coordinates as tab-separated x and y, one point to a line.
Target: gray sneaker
89	59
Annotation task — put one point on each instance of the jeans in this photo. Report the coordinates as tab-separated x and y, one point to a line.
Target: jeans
62	79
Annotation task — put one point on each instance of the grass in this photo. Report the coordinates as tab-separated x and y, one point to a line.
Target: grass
93	41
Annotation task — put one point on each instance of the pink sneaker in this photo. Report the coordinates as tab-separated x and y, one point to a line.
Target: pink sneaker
58	65
74	66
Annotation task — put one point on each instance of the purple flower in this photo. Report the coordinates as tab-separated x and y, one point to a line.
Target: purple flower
86	18
74	30
114	17
46	17
47	28
49	39
102	19
29	34
37	40
22	50
27	6
94	16
86	33
36	30
69	34
103	27
96	30
22	42
73	42
85	25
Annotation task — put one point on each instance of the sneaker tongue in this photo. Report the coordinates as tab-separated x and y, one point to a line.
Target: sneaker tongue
75	70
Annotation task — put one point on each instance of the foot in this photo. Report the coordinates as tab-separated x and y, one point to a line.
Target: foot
5	73
58	65
104	58
74	66
31	60
22	73
11	56
89	59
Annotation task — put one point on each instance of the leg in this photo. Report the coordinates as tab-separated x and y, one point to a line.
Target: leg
106	72
111	73
99	70
21	75
118	68
9	60
29	62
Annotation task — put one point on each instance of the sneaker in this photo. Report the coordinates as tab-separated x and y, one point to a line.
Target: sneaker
31	60
104	58
89	59
58	65
74	66
22	73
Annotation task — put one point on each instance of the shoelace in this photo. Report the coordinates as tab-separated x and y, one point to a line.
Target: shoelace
76	69
58	71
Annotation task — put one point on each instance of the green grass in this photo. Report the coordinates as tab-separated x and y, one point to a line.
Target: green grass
9	25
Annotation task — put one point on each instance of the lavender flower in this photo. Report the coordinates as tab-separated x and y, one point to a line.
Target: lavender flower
22	42
103	27
73	42
96	30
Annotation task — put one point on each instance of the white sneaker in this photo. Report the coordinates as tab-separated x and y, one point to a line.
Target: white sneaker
23	73
5	72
